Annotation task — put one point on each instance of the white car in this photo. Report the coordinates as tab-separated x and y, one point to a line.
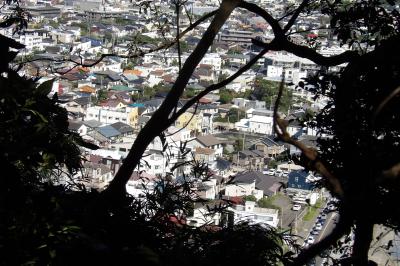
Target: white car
285	173
296	207
271	172
310	240
278	172
318	227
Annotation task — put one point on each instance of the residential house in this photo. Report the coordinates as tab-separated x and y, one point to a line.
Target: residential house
249	159
123	146
78	106
141	183
248	104
205	155
78	127
256	124
208	141
99	175
269	185
123	128
191	121
109	115
254	215
301	181
269	147
107	157
203	214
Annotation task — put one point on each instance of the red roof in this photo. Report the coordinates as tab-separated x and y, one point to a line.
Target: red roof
204	100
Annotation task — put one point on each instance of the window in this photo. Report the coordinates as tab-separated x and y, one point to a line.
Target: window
122	149
296	179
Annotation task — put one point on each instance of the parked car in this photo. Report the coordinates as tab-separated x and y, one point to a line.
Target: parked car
324	216
310	240
318	227
265	171
314	232
331	207
278	172
285	173
296	207
271	171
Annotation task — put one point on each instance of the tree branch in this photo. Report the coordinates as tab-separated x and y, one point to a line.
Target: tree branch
221	84
295	15
136	55
159	121
306	52
311	154
276	28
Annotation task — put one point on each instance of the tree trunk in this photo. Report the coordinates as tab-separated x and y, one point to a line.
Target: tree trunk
160	119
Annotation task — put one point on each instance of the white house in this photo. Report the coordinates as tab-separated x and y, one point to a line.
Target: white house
254	215
208	141
256	124
108	115
243	189
201	215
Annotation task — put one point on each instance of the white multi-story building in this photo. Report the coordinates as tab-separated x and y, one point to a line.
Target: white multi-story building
254	215
243	189
31	42
109	116
256	124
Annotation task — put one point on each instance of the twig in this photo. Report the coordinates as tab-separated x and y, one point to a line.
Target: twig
383	104
310	153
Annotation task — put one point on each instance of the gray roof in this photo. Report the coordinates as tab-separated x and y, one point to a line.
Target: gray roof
108	131
122	127
82	100
110	74
266	183
153	102
74	125
251	153
92	123
208	140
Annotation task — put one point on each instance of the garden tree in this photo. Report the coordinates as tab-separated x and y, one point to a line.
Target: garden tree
249	198
225	96
265	90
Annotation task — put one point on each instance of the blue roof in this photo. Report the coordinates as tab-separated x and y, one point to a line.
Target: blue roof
298	180
136	105
108	131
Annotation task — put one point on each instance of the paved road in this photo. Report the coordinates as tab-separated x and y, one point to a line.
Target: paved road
326	230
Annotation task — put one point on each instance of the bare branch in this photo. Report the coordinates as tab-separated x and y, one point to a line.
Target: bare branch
310	153
295	15
222	83
159	121
383	104
136	55
276	28
306	52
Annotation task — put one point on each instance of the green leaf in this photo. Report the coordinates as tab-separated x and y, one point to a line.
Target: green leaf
45	88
